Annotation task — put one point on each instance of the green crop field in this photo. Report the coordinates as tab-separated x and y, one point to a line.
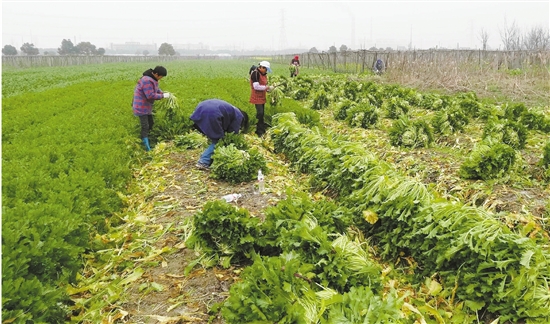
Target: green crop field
383	203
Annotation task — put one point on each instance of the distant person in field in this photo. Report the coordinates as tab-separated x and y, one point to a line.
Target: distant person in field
258	90
294	65
145	93
379	67
214	118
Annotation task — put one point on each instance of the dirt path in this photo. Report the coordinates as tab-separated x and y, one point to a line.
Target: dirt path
164	294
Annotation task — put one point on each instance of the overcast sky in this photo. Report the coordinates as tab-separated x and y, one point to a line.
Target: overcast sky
270	25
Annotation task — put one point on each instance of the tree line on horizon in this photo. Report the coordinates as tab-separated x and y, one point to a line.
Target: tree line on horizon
537	38
83	48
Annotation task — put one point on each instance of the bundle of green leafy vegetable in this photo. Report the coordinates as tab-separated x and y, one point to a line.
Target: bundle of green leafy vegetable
411	133
489	159
225	231
235	166
171	119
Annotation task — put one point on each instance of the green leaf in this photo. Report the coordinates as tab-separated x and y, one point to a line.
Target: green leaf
474	305
526	258
133	277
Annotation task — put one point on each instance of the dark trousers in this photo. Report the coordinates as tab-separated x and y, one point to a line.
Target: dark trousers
261	126
146	122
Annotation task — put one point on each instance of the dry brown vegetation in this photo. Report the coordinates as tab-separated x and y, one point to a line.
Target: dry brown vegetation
531	87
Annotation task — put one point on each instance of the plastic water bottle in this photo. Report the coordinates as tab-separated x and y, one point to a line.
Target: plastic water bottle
231	197
261	185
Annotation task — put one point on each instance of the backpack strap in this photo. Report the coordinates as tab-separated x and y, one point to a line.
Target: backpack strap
256	72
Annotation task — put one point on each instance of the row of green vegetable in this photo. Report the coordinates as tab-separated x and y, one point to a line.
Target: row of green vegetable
69	147
65	157
364	104
477	260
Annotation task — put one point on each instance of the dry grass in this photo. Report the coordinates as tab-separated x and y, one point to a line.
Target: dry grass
531	87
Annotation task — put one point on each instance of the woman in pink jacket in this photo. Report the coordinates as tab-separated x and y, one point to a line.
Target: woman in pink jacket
145	93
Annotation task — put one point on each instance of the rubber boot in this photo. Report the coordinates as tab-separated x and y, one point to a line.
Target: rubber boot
146	142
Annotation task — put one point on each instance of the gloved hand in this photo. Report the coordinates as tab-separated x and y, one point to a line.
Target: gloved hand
270	88
166	94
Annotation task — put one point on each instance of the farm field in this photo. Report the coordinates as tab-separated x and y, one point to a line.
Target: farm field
383	203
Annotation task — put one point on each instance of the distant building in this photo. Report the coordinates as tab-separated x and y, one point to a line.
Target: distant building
133	48
190	47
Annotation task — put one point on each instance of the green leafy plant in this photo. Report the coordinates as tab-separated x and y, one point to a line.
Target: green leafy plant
342	109
301	94
411	133
190	140
276	96
270	291
352	90
449	121
488	160
295	208
395	107
225	230
490	111
514	111
292	68
361	305
237	140
433	101
171	119
536	120
301	87
320	100
408	94
362	115
545	161
479	260
236	166
507	131
305	116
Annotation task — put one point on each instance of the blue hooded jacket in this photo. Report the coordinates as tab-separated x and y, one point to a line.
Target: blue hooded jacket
215	117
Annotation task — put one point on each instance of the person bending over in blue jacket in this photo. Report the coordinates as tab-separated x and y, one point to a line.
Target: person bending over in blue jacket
214	118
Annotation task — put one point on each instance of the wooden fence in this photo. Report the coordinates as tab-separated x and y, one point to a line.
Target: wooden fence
361	61
346	62
20	61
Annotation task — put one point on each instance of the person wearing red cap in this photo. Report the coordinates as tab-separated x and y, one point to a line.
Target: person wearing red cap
294	64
